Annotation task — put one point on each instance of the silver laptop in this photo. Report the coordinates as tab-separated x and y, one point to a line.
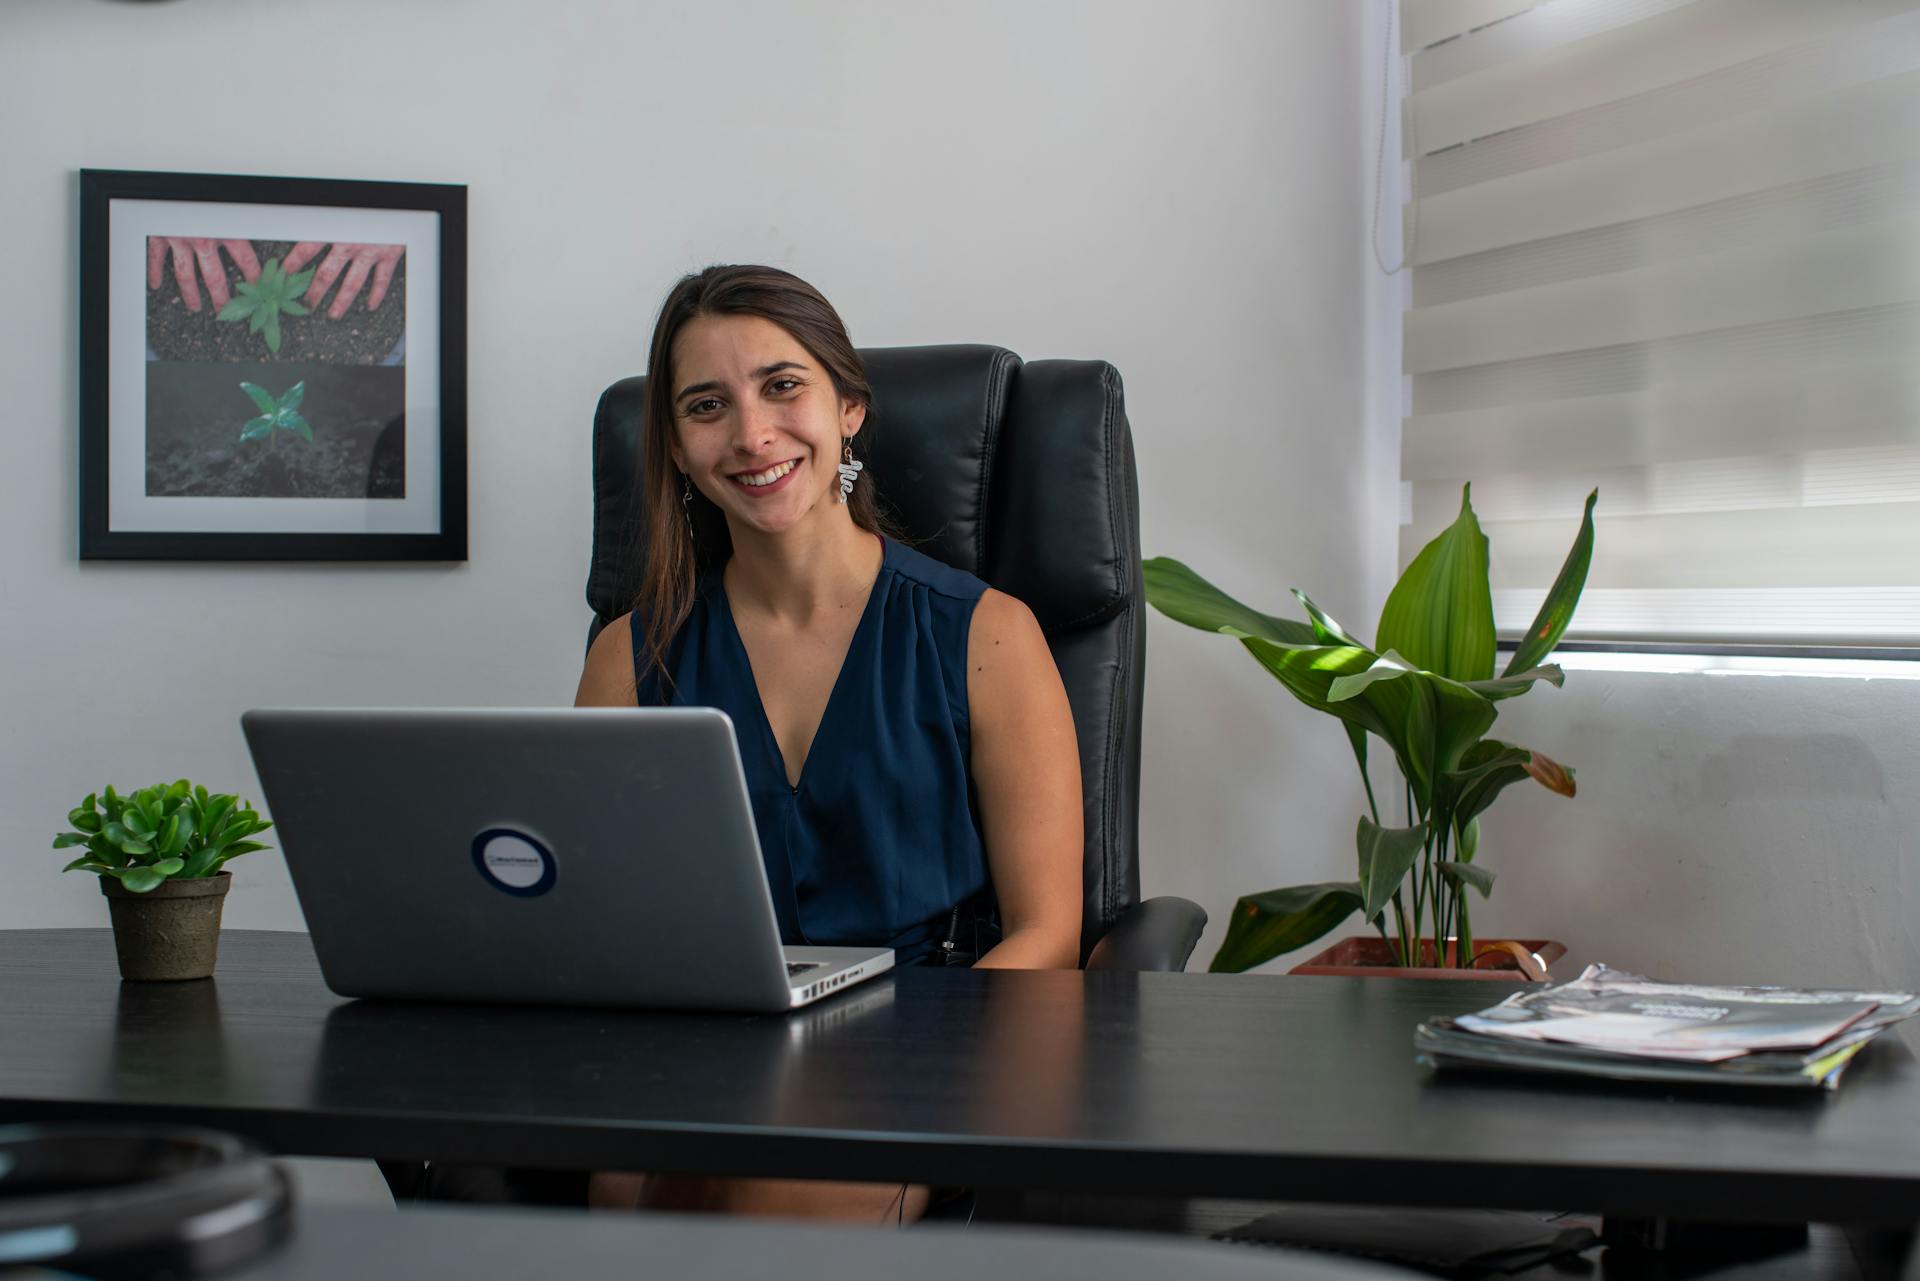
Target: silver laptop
579	856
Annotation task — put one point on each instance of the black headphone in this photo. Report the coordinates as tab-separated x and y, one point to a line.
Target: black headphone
136	1200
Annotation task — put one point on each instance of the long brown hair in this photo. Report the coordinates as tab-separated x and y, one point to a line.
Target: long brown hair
684	538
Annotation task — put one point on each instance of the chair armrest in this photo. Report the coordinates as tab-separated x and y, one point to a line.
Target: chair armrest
1155	934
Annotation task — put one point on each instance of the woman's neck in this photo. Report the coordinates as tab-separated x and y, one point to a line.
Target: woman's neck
794	575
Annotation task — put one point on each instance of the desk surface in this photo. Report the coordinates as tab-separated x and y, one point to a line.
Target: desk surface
1185	1084
501	1243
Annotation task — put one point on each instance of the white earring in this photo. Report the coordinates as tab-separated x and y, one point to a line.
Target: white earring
849	469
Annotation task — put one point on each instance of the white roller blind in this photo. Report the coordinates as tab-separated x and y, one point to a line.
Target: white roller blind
1671	248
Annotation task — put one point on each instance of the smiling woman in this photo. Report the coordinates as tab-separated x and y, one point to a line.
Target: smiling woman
908	746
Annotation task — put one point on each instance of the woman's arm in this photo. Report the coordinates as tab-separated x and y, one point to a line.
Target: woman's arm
1026	770
607	680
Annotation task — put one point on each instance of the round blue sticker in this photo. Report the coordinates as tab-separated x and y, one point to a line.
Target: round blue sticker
514	861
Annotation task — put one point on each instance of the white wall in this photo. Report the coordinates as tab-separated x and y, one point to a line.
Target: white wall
1753	825
1176	188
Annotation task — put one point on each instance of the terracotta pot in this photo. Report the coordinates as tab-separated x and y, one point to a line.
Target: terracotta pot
170	932
1503	960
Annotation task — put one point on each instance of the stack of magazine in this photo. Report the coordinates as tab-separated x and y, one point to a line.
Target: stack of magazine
1608	1023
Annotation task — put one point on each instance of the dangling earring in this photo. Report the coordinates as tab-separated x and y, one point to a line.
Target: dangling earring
686	501
848	468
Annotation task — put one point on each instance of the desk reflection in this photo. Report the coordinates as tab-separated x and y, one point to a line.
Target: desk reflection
1011	1052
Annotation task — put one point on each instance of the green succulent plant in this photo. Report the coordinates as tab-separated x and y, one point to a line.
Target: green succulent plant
276	412
260	302
167	830
1426	689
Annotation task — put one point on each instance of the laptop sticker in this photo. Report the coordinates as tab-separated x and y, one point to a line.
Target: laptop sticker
514	861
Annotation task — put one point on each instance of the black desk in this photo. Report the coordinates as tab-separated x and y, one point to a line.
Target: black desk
499	1244
1183	1084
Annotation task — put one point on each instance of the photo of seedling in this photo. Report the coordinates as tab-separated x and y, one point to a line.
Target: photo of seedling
302	302
281	412
260	303
312	332
275	431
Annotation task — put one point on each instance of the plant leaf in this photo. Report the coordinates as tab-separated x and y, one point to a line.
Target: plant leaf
141	879
298	426
271	276
1386	853
1519	683
273	332
1309	672
1431	723
297	285
215	813
134	820
1267	925
248	288
1486	770
256	428
1386	667
67	840
1491	766
168	866
1464	874
1556	611
237	309
291	307
261	397
1440	613
1427	721
1550	774
86	864
1358	738
294	395
1184	596
1325	630
1468	842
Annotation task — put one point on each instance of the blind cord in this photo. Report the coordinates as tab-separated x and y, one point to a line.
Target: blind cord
1380	163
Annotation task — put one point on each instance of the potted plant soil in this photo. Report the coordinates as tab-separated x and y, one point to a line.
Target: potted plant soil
1427	689
160	855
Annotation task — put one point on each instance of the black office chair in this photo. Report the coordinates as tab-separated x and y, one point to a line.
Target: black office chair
1022	474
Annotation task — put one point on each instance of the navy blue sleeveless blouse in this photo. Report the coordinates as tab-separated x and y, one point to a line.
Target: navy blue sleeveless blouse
880	841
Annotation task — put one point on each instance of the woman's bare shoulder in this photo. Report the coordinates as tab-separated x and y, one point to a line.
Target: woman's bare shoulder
1006	649
607	680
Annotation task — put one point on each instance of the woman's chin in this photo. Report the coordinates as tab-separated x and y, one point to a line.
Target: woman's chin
772	517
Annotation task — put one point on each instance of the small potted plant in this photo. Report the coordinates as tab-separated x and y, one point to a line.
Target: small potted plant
160	855
1426	688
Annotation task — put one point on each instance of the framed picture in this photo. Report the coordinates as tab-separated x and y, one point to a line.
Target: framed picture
271	368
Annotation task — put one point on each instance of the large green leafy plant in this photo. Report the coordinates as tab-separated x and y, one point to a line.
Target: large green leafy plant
176	830
1427	689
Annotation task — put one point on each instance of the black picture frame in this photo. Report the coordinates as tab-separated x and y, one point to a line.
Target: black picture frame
414	503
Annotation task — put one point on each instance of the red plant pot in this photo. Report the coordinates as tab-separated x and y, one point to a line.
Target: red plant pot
1502	960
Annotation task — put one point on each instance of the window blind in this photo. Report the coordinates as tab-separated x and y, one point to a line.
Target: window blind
1671	249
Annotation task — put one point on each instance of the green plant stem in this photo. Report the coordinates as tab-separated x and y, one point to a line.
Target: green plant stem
1399	929
1466	931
